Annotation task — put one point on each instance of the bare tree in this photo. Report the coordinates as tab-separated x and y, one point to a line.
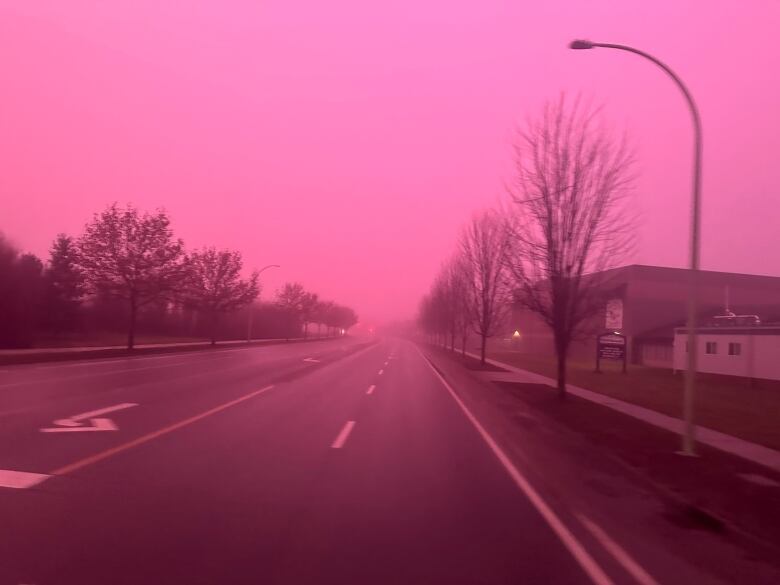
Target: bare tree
569	222
459	276
132	256
484	245
448	309
64	286
343	318
291	298
309	303
323	314
214	284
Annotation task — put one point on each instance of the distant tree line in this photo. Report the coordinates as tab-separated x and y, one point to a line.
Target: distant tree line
565	224
128	273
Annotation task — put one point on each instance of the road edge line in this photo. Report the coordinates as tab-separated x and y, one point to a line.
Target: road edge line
567	538
618	552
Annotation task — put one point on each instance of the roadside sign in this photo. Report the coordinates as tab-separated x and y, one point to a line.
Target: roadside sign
610	346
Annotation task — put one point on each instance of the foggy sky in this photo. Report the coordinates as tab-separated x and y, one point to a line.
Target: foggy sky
349	140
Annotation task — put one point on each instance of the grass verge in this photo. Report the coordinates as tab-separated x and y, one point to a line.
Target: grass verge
723	403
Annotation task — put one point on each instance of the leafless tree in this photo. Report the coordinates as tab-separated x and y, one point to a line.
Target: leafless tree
291	298
484	245
570	221
459	275
309	303
133	256
214	284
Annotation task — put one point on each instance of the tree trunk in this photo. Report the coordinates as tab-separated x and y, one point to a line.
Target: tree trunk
305	329
131	328
561	354
452	341
463	346
482	351
213	328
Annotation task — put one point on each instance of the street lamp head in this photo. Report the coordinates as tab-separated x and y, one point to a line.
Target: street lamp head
581	44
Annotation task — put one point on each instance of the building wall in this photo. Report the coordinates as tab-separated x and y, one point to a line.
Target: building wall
655	354
654	303
759	357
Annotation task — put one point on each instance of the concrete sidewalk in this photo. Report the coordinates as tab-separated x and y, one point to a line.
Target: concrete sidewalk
729	444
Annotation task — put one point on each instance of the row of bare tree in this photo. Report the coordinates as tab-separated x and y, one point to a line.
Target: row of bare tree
566	221
307	308
133	258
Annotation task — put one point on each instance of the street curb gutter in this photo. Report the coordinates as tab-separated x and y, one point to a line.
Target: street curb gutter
59	355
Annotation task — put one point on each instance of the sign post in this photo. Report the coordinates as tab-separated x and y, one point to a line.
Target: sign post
610	346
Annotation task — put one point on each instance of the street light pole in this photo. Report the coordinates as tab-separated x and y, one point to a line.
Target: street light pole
688	443
251	312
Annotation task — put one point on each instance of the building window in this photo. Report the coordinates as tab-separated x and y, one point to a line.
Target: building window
735	349
711	347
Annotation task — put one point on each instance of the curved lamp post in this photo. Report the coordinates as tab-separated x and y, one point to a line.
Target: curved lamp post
251	312
688	443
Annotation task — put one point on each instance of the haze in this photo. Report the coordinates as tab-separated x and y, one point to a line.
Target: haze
349	143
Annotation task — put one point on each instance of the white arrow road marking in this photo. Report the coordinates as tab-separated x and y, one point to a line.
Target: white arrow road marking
20	479
74	424
312	360
98	424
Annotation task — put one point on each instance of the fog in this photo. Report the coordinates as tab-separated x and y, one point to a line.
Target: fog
349	144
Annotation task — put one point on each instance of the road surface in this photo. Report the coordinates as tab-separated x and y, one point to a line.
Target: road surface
341	461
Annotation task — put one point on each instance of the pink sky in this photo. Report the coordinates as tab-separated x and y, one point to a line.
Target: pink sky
348	142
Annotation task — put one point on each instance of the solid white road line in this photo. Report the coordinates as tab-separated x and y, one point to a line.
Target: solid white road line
621	556
154	434
381	372
343	435
370	389
577	550
20	479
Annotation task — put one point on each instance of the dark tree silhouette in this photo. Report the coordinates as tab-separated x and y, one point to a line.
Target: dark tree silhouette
132	256
64	286
569	220
484	245
21	289
291	298
309	303
214	284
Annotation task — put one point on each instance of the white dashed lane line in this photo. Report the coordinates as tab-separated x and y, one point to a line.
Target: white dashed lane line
343	435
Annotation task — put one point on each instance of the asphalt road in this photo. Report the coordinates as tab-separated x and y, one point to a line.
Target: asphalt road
330	462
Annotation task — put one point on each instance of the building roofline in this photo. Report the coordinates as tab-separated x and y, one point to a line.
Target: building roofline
678	270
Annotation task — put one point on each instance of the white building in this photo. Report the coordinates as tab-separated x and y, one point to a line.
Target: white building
750	352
